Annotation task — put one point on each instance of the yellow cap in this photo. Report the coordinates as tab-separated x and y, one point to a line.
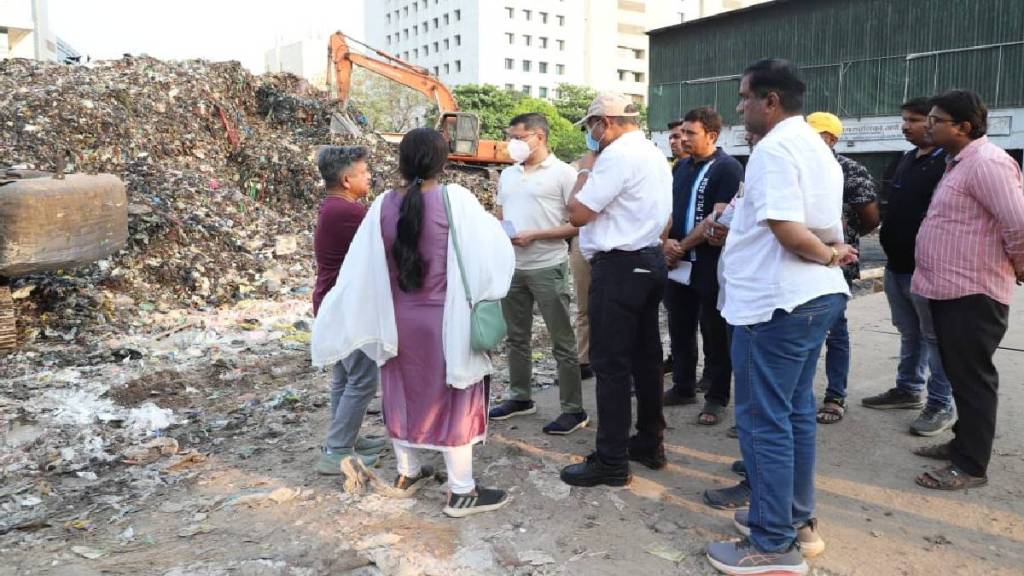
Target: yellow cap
826	122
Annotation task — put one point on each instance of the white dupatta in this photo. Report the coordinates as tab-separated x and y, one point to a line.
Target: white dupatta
359	314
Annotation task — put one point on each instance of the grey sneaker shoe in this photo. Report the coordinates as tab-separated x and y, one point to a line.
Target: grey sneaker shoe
807	536
933	421
371	444
894	398
743	558
329	463
731	498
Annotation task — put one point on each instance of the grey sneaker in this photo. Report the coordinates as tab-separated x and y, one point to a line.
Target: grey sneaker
329	463
933	421
731	498
743	558
807	536
371	444
894	398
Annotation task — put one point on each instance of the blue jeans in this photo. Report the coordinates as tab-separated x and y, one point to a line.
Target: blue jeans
774	363
918	346
837	356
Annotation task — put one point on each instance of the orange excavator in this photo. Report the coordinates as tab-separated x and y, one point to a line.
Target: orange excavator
460	129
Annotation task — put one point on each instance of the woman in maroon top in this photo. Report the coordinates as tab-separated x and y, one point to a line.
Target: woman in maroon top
354	380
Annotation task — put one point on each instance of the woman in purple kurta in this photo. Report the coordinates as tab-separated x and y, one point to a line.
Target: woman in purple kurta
420	409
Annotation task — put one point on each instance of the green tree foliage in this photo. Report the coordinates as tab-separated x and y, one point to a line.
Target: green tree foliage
572	101
564	140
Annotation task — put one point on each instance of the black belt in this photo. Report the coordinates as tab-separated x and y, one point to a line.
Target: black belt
650	250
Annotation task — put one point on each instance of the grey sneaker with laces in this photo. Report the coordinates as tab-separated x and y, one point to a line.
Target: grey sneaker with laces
743	558
807	535
933	421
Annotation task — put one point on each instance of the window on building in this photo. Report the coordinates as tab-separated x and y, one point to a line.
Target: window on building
527	39
415	29
561	45
526	65
405	55
560	69
458	15
415	52
436	23
543	41
435	71
426	50
458	65
387	39
424	3
405	11
528	14
510	12
388	18
510	87
447	68
437	47
542	67
510	37
458	40
639	76
542	92
509	63
527	89
445	19
543	20
405	33
561	20
446	44
425	26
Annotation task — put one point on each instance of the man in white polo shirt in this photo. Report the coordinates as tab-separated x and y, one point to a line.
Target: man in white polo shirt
532	199
622	200
783	290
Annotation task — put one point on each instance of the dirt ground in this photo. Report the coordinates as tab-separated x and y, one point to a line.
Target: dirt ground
237	495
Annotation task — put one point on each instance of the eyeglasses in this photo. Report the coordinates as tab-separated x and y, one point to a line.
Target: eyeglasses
509	136
933	120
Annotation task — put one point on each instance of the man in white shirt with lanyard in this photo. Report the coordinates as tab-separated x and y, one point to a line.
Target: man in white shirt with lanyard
622	200
783	289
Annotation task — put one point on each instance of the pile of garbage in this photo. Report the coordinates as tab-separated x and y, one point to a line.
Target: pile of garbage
220	172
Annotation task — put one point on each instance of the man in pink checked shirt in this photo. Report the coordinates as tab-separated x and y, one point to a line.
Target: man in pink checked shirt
969	253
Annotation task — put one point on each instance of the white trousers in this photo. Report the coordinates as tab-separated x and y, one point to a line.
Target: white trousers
458	461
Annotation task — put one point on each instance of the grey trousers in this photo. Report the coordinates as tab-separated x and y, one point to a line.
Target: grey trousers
354	382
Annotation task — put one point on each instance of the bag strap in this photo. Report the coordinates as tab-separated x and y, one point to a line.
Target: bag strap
455	241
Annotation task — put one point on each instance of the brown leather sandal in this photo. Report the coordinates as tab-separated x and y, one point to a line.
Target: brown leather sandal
942	451
950	478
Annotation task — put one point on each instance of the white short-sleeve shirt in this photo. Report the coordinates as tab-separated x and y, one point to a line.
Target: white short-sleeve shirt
792	176
630	188
537	199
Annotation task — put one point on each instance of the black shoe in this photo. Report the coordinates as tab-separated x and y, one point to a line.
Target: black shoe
739	468
593	472
894	398
480	500
673	398
586	373
567	424
667	365
655	460
510	408
703	384
731	498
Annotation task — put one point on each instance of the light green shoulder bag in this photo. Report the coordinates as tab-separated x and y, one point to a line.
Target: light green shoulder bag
486	321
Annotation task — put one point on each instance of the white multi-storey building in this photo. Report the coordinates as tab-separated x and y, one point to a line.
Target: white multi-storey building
25	30
531	45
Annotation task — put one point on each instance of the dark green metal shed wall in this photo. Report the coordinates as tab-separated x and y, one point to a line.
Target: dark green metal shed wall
852	54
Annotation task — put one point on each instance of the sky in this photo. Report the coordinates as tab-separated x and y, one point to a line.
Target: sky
211	29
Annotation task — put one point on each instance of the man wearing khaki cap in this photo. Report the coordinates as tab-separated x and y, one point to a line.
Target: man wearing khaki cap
622	201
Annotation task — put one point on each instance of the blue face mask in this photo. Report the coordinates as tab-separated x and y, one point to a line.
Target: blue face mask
592	144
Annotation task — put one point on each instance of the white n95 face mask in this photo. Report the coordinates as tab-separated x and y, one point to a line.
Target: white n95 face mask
518	150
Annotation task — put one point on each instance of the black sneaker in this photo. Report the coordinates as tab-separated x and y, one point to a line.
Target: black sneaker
510	408
673	398
655	460
739	468
594	472
894	398
731	498
407	486
477	501
567	424
586	372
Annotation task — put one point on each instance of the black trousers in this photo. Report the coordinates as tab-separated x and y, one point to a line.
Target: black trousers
625	350
687	306
969	330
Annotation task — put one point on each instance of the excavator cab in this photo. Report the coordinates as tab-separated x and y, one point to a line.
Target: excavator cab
462	131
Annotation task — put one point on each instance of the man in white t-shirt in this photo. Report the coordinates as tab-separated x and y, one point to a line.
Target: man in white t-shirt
784	288
622	199
533	196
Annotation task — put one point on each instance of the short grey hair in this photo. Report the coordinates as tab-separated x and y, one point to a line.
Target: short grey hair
335	161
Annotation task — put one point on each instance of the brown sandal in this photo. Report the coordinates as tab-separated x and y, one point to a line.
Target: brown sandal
950	478
942	451
831	412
